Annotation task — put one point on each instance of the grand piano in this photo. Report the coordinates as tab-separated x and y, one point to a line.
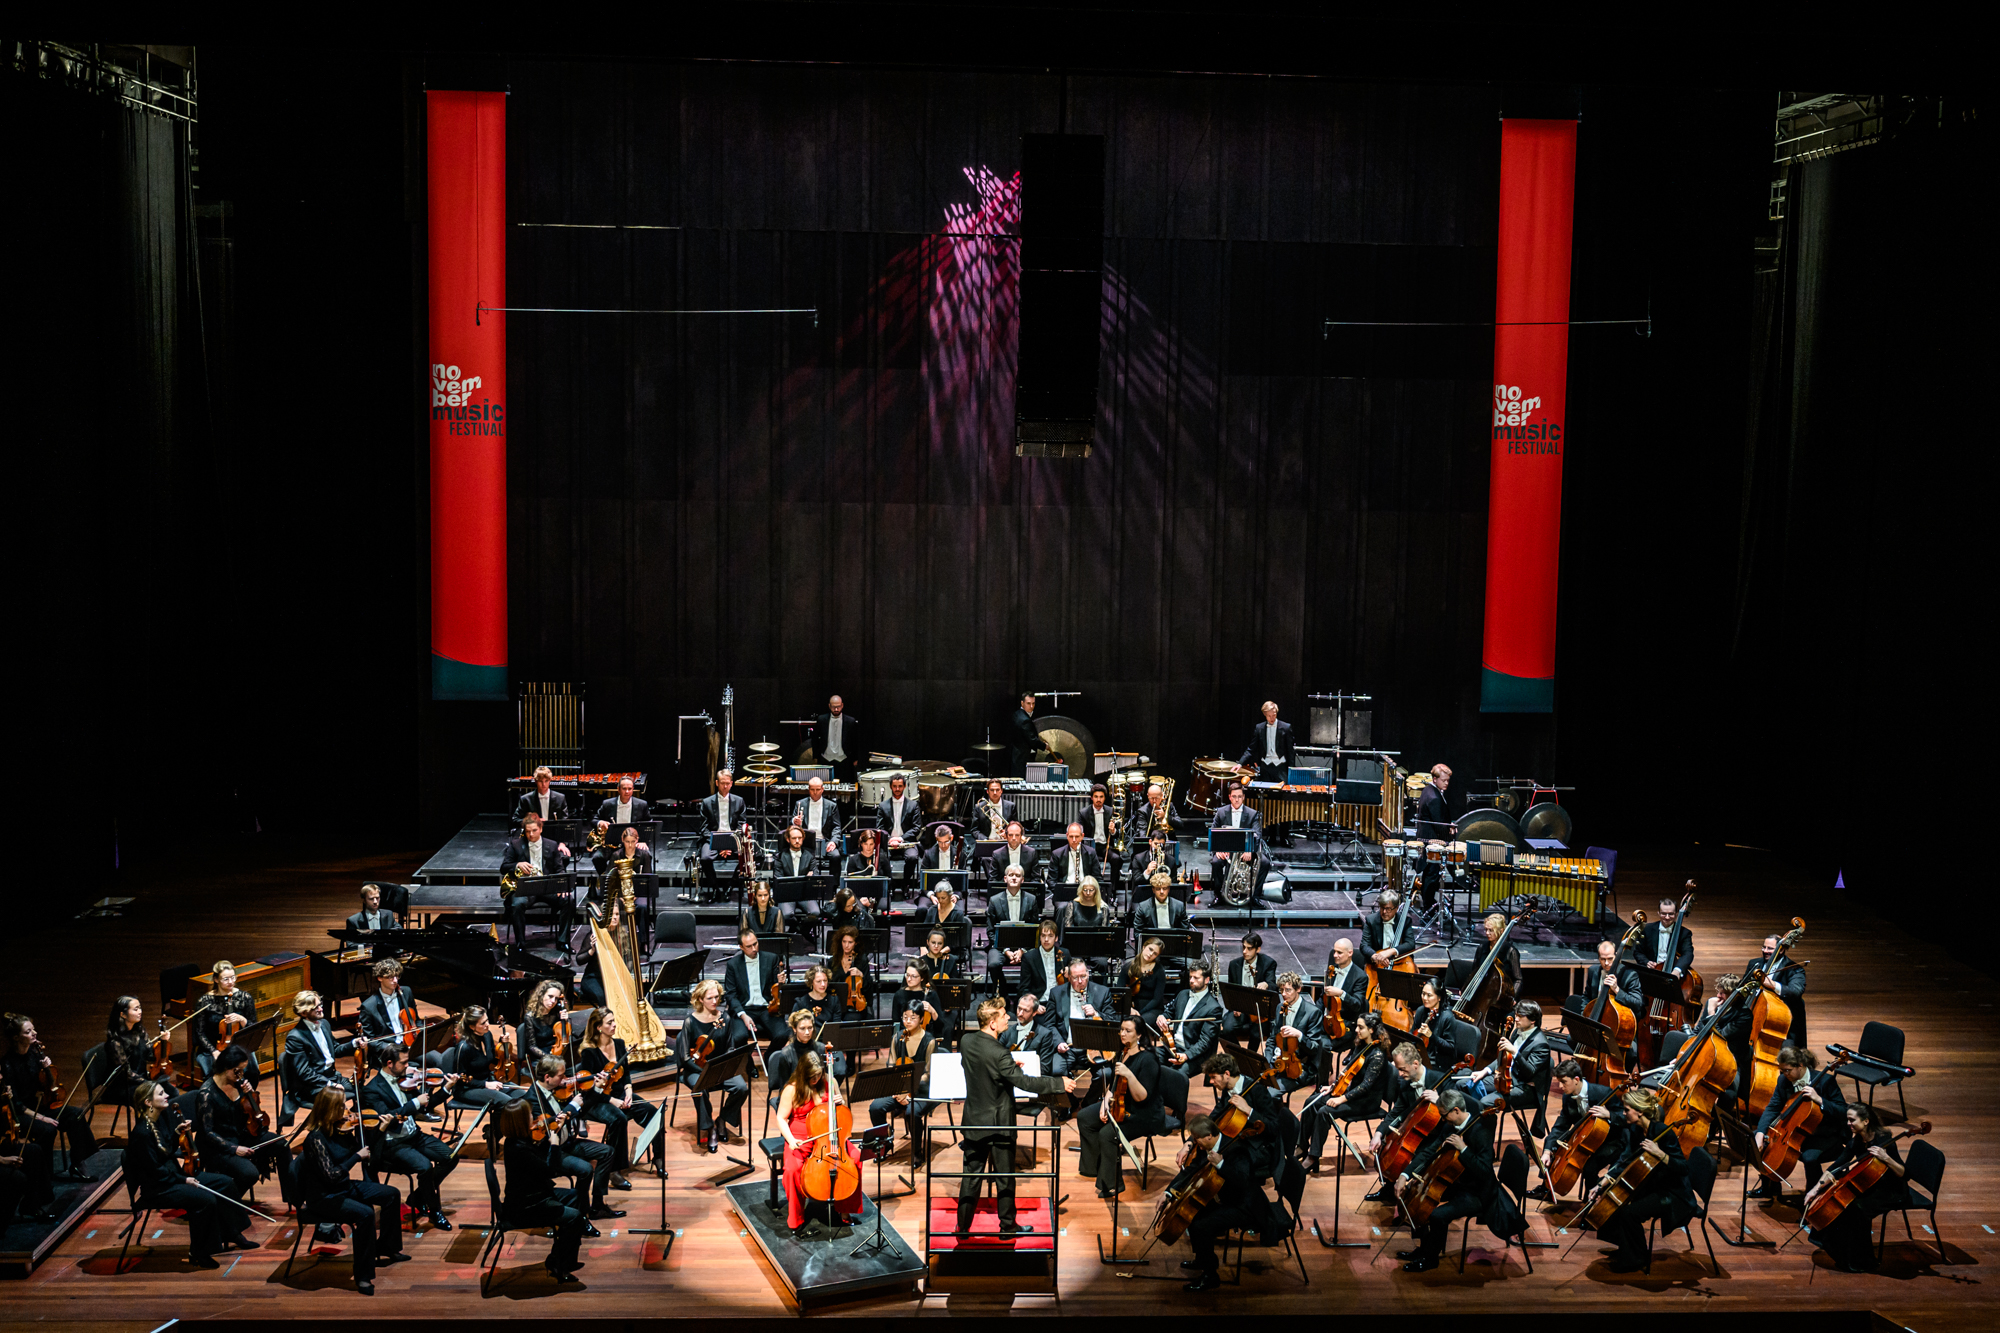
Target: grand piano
449	966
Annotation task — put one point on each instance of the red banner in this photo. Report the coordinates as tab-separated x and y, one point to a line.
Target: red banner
467	156
1530	377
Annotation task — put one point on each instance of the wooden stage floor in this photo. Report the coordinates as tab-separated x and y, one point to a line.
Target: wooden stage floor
66	975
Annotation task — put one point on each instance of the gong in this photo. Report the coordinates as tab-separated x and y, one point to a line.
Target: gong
1069	740
1547	820
1489	826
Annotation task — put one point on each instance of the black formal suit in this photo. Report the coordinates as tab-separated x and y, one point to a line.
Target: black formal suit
1059	863
1791	979
1313	1045
1474	1193
1096	998
829	821
1240	1204
851	744
996	865
604	857
1254	754
304	1067
1040	1036
1461	972
607	810
1265	973
424	1156
1623	981
1041	978
959	858
1089	819
754	1002
1401	1096
711	812
1023	740
913	827
1361	1101
980	824
554	862
1534	1066
1352	989
1398	934
1648	948
380	919
1433	818
789	864
534	1199
1145	864
1100	1150
991	1076
1195	1039
530	803
998	913
1147	915
375	1025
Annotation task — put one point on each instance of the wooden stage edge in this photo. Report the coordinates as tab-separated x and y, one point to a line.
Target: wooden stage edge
1863	968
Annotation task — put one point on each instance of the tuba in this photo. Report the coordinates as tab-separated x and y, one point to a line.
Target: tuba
1239	888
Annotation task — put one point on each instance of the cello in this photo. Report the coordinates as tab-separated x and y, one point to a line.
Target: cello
1614	1192
829	1173
1621	1024
1424	1193
1787	1136
1662	1016
1488	994
1585	1141
1826	1201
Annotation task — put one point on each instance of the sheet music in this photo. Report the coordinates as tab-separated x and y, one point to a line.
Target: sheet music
948	1075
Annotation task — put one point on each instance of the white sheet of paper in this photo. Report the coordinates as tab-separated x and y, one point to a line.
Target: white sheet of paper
948	1075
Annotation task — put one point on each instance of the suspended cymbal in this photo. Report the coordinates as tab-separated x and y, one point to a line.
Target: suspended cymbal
764	747
989	745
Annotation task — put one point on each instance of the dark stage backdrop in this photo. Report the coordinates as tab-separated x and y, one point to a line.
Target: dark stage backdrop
798	510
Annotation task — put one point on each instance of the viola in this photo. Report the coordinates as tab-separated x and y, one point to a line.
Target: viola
1331	1023
1830	1198
1786	1138
1354	1065
829	1173
51	1086
190	1157
226	1028
857	990
255	1118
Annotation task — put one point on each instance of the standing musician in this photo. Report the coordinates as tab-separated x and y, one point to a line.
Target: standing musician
624	810
1475	1193
1024	738
913	1045
571	1154
1240	1204
478	1044
392	1010
720	813
1145	1110
845	961
629	848
23	1064
760	913
306	1067
837	739
1160	911
1270	747
1075	860
1194	1018
541	801
611	1102
819	817
533	1197
1434	822
808	1089
1509	962
152	1165
530	855
746	983
1043	967
1799	1076
1414	1084
898	820
1235	815
1788	983
1013	905
1297	1017
1017	851
538	1027
709	1031
1363	1098
1663	1194
1346	985
1389	934
1846	1239
328	1154
1145	980
1081	998
372	916
398	1142
230	1146
1097	820
1024	1034
1581	1100
127	1053
1655	937
991	1077
1086	911
223	1000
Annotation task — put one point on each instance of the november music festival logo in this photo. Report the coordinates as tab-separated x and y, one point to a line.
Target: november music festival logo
1511	422
451	400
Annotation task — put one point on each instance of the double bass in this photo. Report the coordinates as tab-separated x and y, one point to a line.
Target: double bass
1705	1068
1661	1016
1488	997
1394	1013
1770	1025
1621	1024
1826	1201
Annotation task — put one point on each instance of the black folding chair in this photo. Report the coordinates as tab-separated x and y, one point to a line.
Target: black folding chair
1701	1179
1883	1043
1291	1190
1514	1180
1173	1090
489	1257
1923	1177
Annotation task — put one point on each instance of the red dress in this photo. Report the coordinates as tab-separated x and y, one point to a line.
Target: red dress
795	1166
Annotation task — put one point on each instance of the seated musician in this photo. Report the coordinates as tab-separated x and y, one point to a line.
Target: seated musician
399	1142
328	1154
27	1168
23	1061
1155	815
848	963
1435	1028
1581	1100
612	1103
849	910
1799	1076
224	1001
748	981
1847	1238
1044	967
1193	1017
867	862
1261	1102
1611	974
127	1053
1088	910
478	1046
1346	984
913	1045
553	1096
1734	1029
533	1198
530	856
392	1010
760	913
1102	1151
1013	905
992	813
807	1089
1016	851
818	819
898	820
720	813
803	1029
160	1181
1388	934
1026	1031
628	848
542	1021
1145	980
1234	815
1298	1018
623	810
945	853
1252	970
914	995
1534	1064
709	1031
1475	1193
372	916
819	999
310	1050
794	860
1074	859
1414	1084
1161	911
1664	1193
542	802
1509	964
1081	998
1788	983
941	908
230	1146
583	947
1362	1099
1159	856
1240	1203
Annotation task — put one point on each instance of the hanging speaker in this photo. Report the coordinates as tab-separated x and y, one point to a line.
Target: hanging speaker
1062	295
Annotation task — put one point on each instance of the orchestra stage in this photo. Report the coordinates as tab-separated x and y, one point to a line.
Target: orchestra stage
721	1266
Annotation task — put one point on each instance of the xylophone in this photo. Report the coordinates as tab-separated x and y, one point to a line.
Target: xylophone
1576	882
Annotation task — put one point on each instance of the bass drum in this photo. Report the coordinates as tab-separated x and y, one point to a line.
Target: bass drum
1547	820
874	785
1208	783
1490	826
1069	740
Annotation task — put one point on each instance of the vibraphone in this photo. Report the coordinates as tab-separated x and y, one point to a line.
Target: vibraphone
1059	803
1279	803
1576	882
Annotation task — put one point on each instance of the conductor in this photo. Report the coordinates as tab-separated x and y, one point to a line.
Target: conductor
990	1077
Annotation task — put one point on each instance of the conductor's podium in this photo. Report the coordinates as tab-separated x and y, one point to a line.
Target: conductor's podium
987	1261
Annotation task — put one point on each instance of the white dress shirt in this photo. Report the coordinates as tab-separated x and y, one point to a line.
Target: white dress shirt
833	750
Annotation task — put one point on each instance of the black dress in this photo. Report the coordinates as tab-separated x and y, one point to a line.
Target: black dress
725	1034
207	1029
127	1054
1849	1238
597	1105
475	1061
1102	1153
327	1195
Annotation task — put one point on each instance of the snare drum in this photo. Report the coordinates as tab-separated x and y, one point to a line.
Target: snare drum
1454	854
1434	851
874	785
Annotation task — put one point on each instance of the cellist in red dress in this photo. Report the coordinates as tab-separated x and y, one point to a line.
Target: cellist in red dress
806	1092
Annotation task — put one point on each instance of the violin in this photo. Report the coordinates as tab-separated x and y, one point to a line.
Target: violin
160	1059
1503	1076
1826	1201
226	1027
829	1173
699	1052
189	1157
255	1118
857	990
51	1086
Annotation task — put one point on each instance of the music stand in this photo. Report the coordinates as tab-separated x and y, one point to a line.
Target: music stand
1023	936
255	1033
793	889
869	886
1590	1039
871	1085
1177	943
781	946
874	939
1659	984
1228	841
955	880
875	1143
854	1037
561	886
718	1071
1095	943
684	970
723	842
